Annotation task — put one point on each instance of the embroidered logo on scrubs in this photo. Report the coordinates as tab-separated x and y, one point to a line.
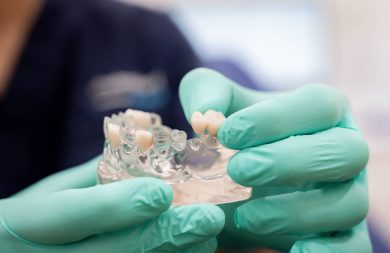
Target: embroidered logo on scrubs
125	89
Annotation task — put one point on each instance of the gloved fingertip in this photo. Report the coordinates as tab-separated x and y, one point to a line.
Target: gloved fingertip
159	193
245	218
214	218
187	90
236	169
192	224
209	219
202	89
309	247
296	249
225	135
163	194
222	135
233	133
209	246
238	221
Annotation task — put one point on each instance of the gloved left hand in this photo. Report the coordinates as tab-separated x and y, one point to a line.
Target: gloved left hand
67	213
302	154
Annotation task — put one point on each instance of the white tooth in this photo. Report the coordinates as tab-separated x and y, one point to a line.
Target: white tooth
144	140
198	122
114	135
142	119
214	123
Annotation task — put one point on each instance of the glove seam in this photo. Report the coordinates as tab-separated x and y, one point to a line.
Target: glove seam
15	235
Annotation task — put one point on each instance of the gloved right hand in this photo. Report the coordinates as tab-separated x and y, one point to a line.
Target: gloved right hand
127	216
302	154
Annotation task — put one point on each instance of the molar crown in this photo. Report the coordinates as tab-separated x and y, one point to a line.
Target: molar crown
210	121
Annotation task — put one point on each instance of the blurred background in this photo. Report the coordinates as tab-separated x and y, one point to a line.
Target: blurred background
283	44
273	45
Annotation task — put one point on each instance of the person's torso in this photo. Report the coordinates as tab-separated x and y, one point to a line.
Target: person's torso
84	60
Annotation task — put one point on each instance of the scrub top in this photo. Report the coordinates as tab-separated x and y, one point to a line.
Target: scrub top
84	60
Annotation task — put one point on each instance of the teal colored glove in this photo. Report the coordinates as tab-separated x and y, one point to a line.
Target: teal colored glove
66	213
304	158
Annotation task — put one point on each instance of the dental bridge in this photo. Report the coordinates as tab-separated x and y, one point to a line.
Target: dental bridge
137	144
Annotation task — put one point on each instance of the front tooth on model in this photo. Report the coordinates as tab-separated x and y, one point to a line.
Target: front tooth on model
144	140
114	135
198	122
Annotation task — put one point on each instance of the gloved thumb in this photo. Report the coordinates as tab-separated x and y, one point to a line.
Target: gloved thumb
202	89
81	176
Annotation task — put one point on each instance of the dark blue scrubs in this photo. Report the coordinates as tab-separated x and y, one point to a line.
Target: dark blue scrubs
85	59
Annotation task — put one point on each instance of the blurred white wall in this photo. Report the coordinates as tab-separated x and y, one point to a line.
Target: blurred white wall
282	43
361	67
279	43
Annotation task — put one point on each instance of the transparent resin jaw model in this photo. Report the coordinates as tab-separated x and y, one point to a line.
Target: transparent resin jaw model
138	145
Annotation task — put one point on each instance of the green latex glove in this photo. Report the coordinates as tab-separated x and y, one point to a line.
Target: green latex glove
304	158
67	213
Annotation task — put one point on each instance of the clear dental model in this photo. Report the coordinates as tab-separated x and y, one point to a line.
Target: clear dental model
138	145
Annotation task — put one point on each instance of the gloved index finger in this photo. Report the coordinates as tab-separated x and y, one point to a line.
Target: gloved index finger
203	89
307	110
181	227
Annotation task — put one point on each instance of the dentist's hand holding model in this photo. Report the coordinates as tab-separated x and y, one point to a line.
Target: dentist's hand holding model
300	151
302	154
68	213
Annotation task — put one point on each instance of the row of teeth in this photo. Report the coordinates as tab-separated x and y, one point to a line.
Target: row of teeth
208	123
143	138
137	119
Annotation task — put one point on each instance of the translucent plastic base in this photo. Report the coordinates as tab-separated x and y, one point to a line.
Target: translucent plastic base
139	145
216	191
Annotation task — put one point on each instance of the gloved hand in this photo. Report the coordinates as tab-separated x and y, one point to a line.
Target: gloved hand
59	214
302	154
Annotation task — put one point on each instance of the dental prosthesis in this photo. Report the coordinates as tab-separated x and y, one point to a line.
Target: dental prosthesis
138	145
